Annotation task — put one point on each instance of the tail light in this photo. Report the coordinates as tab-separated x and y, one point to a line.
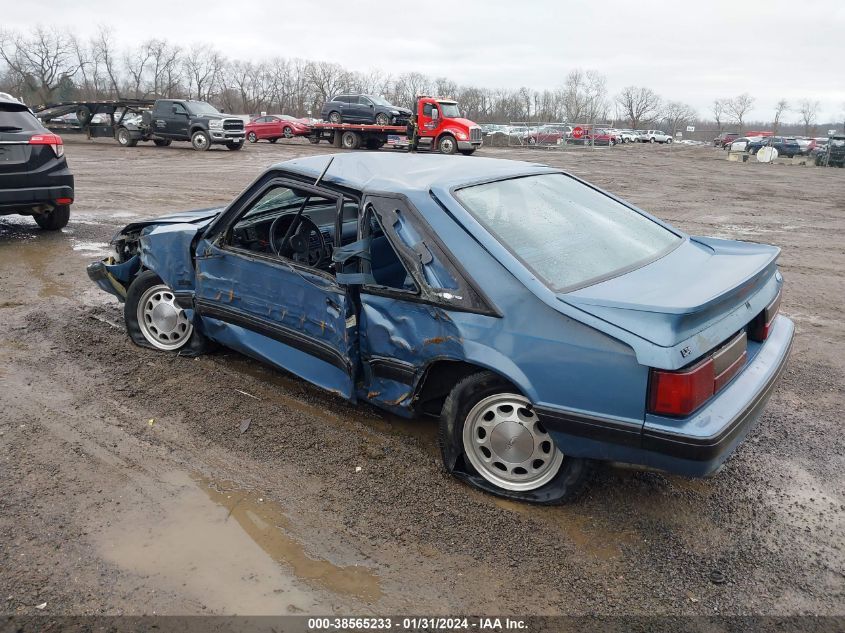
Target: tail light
679	393
761	326
53	140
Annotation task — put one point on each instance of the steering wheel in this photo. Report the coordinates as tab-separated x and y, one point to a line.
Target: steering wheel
298	245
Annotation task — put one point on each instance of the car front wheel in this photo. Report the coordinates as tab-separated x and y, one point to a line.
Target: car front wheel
491	436
200	140
252	137
153	318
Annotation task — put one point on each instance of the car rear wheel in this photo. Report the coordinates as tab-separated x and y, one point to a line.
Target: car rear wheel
251	137
55	219
287	132
124	138
350	140
502	446
651	140
334	117
162	142
153	318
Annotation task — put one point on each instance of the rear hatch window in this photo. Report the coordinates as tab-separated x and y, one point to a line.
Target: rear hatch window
14	118
568	234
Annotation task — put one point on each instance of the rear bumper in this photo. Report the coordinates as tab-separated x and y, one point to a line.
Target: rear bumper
694	446
12	200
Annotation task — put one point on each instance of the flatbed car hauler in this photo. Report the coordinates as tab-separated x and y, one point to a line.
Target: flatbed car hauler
441	128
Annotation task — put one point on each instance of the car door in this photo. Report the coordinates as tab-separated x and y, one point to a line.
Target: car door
410	293
176	117
288	313
273	127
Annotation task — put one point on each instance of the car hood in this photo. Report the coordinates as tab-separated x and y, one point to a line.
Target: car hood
199	217
466	122
687	294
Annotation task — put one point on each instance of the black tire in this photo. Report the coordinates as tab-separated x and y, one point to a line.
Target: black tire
235	146
273	140
652	140
124	138
252	137
447	144
350	140
200	140
567	484
313	140
668	141
373	144
382	119
55	219
195	345
287	132
162	142
467	152
334	117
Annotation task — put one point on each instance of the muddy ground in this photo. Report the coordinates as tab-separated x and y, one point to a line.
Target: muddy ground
127	486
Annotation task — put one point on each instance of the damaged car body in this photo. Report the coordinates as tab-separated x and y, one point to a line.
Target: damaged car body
549	324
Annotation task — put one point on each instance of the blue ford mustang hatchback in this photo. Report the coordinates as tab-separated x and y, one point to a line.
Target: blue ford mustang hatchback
549	324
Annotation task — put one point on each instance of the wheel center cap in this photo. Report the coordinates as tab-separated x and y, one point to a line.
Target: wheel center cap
512	442
165	317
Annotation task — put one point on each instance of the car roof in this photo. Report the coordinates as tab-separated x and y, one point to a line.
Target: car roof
400	173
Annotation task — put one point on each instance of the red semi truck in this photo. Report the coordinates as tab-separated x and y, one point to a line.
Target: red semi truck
441	128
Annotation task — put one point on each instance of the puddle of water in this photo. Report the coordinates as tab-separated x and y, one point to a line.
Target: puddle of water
226	548
25	247
91	247
579	529
265	523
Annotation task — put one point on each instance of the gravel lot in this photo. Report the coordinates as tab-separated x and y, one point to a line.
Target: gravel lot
128	487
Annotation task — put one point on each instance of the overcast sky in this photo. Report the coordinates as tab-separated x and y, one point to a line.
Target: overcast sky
684	50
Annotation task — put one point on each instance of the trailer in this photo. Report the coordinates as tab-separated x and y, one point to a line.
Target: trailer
439	124
95	119
355	136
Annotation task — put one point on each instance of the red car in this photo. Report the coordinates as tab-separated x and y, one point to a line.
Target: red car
275	126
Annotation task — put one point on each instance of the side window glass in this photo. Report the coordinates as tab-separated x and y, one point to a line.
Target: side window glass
289	223
384	265
427	108
179	108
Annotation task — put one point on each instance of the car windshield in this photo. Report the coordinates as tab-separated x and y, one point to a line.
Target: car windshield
379	100
201	107
565	232
449	110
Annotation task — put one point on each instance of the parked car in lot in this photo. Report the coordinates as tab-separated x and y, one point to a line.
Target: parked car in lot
725	139
34	176
547	323
655	136
272	127
785	146
358	108
628	136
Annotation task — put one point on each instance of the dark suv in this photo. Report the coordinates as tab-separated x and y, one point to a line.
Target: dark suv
364	109
34	176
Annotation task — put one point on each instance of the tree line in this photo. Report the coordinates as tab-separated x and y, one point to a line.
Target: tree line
48	65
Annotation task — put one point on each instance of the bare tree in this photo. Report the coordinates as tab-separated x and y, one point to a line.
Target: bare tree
165	68
809	110
327	79
43	61
135	63
738	107
203	65
103	51
677	115
639	105
781	107
718	110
